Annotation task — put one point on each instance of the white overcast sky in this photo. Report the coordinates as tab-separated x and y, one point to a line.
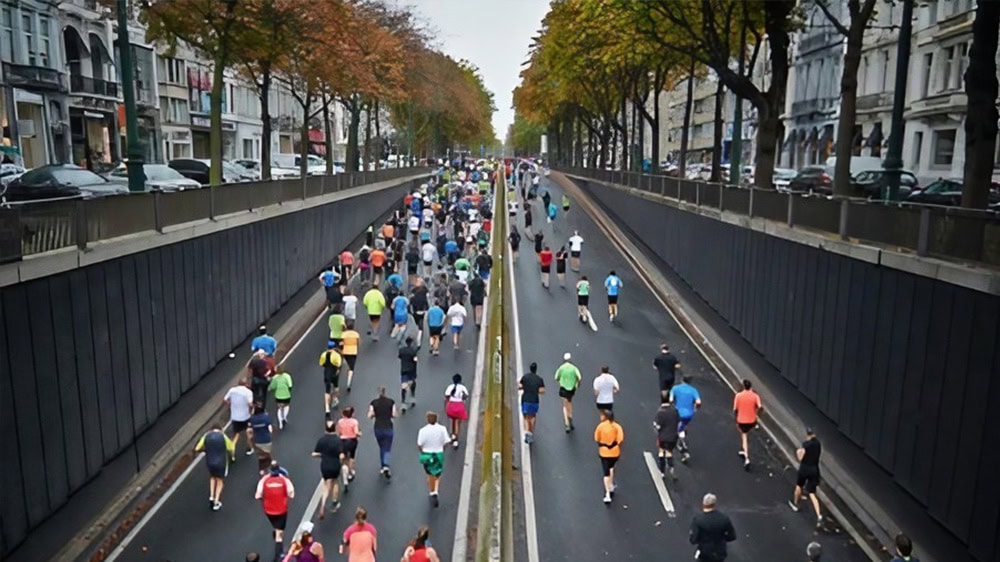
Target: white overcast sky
492	34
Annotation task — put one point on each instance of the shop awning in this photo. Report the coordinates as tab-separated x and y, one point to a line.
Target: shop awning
875	138
316	136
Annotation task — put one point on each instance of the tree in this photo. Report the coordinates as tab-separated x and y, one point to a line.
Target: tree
860	14
981	116
524	138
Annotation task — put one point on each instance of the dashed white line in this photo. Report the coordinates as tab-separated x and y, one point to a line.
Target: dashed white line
661	488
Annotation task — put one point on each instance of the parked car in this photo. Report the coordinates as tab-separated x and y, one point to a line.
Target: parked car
197	169
159	177
812	179
875	184
276	173
315	166
949	192
244	173
782	177
56	181
858	164
10	172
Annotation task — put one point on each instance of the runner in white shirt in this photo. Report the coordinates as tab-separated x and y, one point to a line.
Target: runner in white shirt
605	388
457	313
240	400
350	308
575	247
454	406
431	441
428	217
413	224
512	208
429	254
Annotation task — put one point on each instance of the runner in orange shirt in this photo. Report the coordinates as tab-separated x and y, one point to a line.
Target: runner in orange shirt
378	265
746	407
388	233
609	436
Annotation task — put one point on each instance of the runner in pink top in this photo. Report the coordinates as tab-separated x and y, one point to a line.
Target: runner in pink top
360	541
349	429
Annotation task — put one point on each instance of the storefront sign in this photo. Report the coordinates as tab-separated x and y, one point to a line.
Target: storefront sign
201	121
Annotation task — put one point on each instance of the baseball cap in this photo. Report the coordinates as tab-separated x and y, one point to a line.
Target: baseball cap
331	344
306	528
566	356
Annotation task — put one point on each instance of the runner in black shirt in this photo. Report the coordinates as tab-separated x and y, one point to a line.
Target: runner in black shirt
383	410
484	263
408	373
515	242
412	261
477	295
532	387
330	451
808	476
561	256
666	366
418	307
667	420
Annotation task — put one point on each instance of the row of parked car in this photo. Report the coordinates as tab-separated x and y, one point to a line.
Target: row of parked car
64	181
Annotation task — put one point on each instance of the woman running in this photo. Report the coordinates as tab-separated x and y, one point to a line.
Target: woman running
561	256
306	549
360	539
419	549
330	451
454	406
583	299
348	429
349	350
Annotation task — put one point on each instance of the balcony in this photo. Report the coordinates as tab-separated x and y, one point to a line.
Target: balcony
36	78
84	85
872	102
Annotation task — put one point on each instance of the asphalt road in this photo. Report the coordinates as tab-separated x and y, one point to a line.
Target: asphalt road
573	523
186	529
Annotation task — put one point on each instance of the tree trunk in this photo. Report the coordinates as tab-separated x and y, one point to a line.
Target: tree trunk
215	122
304	136
776	16
688	102
981	89
368	137
265	119
379	145
720	96
608	135
613	147
639	128
626	160
578	145
848	109
328	135
353	155
654	125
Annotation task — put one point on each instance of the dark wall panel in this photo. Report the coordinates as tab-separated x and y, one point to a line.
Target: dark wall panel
13	511
147	346
86	367
906	366
119	373
69	383
134	349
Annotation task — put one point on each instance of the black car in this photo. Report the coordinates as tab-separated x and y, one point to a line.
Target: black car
812	179
57	181
948	192
875	183
191	168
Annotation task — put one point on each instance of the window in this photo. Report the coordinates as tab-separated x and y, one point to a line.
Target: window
944	70
864	84
7	27
43	41
179	110
171	70
820	80
944	147
885	71
925	87
28	27
165	109
918	146
248	148
962	63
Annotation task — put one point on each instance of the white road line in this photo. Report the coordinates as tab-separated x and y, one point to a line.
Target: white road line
132	534
590	320
527	480
661	488
310	509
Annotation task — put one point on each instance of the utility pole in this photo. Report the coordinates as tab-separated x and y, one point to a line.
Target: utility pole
409	129
736	146
893	163
136	174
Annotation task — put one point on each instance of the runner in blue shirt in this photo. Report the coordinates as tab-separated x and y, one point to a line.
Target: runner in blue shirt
435	324
613	284
400	315
264	342
451	250
686	398
329	278
396	280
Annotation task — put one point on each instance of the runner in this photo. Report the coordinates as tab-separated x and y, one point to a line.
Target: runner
348	429
532	387
613	284
388	232
360	539
484	263
539	242
552	211
413	259
330	451
400	316
666	366
281	386
808	476
260	432
331	361
457	314
431	441
429	254
527	220
419	549
609	436
240	401
435	325
515	242
452	251
565	203
512	209
605	388
346	266
710	531
477	296
686	398
275	490
218	449
545	263
418	307
408	373
463	267
583	299
337	322
561	256
568	377
349	351
413	225
575	247
264	342
454	406
365	264
306	549
374	302
382	410
350	308
666	423
746	408
329	278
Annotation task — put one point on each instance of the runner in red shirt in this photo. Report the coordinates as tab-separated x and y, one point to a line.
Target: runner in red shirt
746	407
274	490
545	260
346	265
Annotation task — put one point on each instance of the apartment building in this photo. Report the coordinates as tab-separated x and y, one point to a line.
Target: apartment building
876	80
701	130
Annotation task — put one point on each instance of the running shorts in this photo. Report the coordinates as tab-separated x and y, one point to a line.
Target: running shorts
746	427
435	331
374	317
408	376
546	268
330	474
240	426
567	394
583	300
418	319
283	402
667	445
612	299
278	522
428	264
433	463
808	479
560	266
350	447
684	423
456	410
666	383
529	408
218	470
607	463
477	300
456	329
351	361
606	406
411	268
331	382
378	269
574	254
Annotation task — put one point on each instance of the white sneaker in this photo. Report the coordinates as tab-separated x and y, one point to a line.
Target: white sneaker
607	498
794	507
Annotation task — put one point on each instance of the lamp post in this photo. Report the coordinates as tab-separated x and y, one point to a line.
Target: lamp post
894	155
136	175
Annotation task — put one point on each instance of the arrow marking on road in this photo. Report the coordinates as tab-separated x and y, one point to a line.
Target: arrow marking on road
661	488
590	321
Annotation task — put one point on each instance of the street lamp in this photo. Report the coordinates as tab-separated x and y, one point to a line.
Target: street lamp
136	175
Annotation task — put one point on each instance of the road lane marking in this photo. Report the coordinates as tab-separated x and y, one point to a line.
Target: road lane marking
590	321
310	510
132	534
527	480
661	488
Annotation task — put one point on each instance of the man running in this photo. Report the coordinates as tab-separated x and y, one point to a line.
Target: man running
349	351
275	490
605	388
281	386
337	322
515	242
218	449
532	387
350	308
331	361
484	263
240	401
575	247
408	373
330	451
808	476
400	316
260	432
746	408
666	366
710	531
568	377
609	437
666	423
565	203
477	296
264	342
431	441
418	307
583	299
613	284
686	398
457	314
435	326
382	410
429	254
374	302
545	263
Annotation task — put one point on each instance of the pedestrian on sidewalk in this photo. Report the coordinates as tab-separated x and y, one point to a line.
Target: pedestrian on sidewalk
454	406
348	429
545	264
419	549
360	539
666	423
331	361
808	476
330	451
281	386
383	410
746	409
605	388
609	436
666	365
431	441
274	491
218	449
710	531
240	401
532	387
568	377
904	549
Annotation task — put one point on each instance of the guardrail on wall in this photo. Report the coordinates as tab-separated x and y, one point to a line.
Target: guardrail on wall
928	230
50	225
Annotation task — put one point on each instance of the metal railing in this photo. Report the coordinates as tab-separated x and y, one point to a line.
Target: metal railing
43	226
84	84
954	233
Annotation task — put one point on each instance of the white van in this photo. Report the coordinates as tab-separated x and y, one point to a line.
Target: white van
858	164
315	166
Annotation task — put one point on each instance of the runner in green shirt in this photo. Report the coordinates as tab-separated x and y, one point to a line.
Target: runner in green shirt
565	203
338	323
281	386
583	299
568	377
374	302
